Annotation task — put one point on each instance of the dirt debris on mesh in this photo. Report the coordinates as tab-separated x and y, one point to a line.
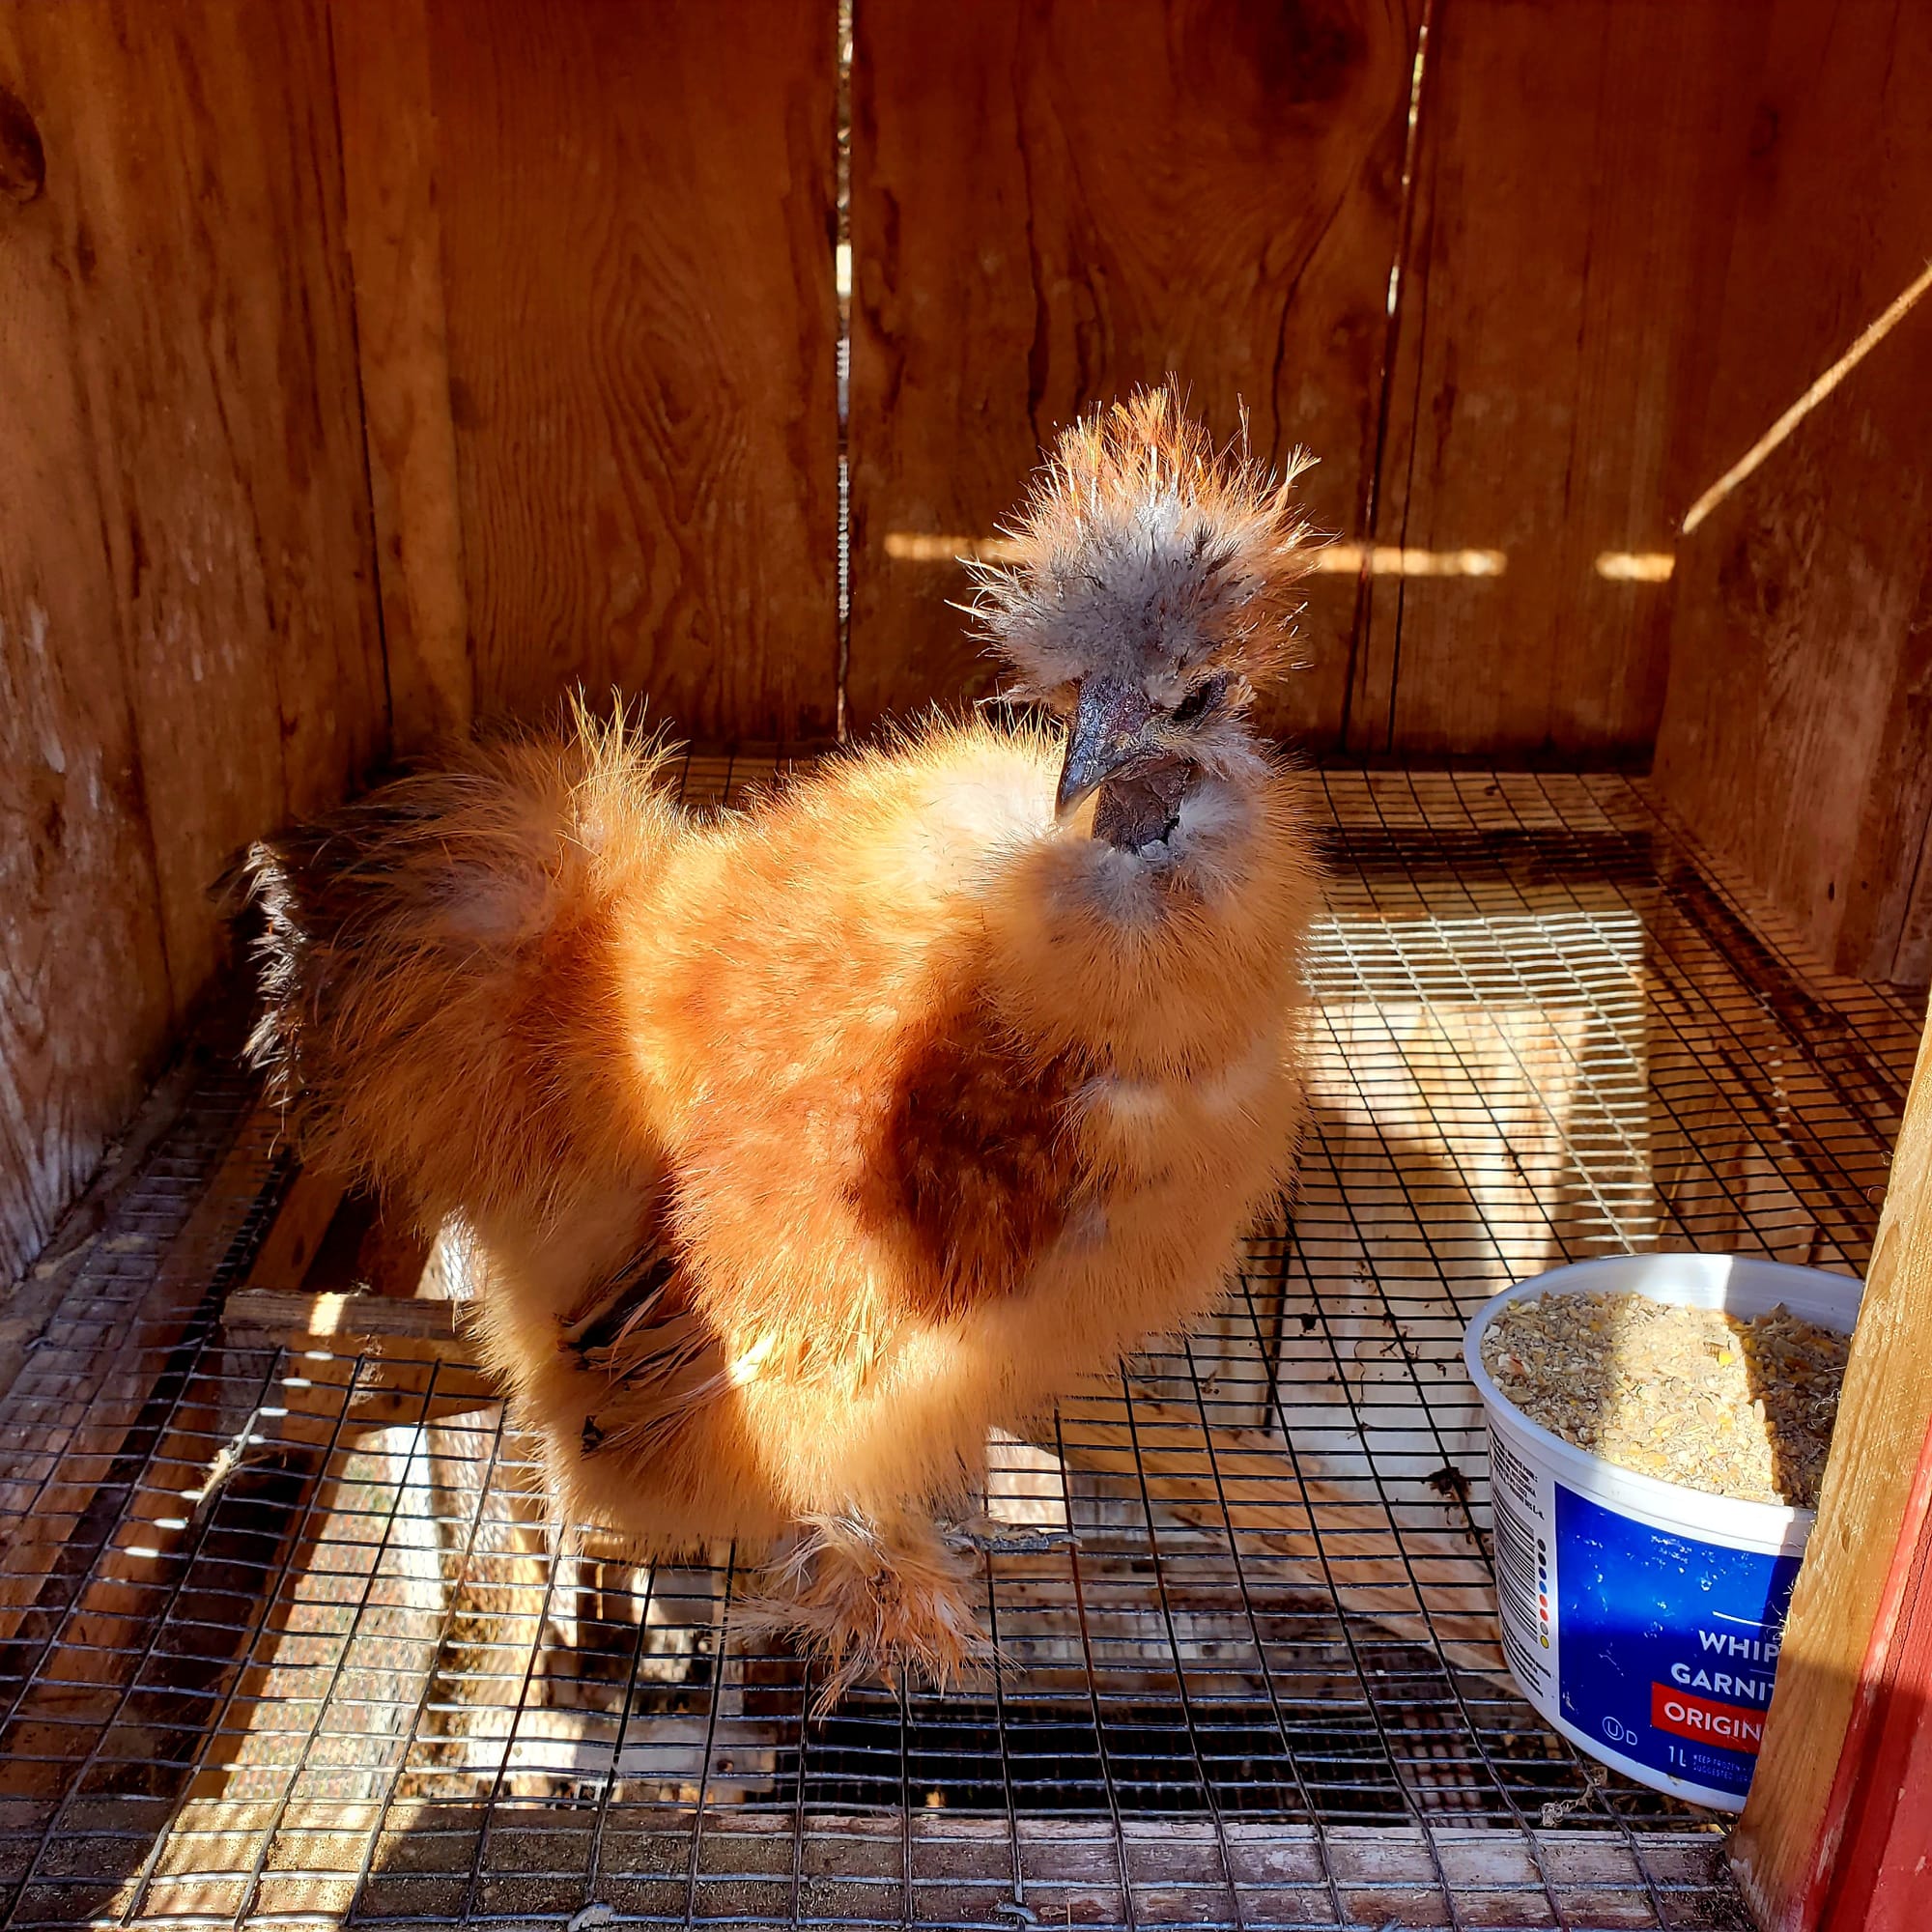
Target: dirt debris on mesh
1694	1396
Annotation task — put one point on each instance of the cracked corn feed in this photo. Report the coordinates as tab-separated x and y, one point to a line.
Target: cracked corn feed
1688	1395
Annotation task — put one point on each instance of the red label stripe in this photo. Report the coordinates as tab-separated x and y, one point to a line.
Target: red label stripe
1735	1726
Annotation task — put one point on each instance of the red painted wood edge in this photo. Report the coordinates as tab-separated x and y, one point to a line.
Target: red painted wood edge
1871	1867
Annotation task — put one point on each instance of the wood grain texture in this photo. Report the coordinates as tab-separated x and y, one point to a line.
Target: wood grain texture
1912	961
1835	1641
299	1320
85	1002
637	231
181	425
1576	173
1796	737
402	338
1051	202
200	181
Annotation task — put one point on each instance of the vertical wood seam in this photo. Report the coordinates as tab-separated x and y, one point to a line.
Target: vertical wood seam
375	547
846	56
1369	500
1901	969
1421	281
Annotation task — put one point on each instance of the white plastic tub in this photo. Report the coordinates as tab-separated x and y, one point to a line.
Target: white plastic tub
1643	1619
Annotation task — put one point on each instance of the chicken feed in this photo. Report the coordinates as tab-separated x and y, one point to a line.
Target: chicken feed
1693	1396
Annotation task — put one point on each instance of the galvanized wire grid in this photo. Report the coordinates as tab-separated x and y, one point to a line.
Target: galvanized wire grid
283	1639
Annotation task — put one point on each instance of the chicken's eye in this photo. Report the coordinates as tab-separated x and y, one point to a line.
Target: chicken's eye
1200	700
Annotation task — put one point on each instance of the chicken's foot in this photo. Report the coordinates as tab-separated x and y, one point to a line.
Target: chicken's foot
866	1596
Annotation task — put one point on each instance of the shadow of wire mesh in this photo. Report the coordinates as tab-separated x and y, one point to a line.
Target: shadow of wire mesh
283	1636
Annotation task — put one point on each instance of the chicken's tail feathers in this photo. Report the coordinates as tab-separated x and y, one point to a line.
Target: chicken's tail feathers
432	964
1142	540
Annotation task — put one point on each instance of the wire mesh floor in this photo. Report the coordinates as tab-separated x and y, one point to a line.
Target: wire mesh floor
283	1639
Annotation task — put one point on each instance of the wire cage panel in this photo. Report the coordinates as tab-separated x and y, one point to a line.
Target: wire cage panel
286	1636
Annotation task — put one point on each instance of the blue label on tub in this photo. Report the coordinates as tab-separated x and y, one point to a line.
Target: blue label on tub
1668	1644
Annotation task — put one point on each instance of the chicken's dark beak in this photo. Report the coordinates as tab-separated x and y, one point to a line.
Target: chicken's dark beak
1107	734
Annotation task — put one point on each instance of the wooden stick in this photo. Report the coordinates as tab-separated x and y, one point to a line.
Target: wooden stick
301	1319
289	1247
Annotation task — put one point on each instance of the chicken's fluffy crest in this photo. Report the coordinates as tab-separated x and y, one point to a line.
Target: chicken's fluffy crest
1141	544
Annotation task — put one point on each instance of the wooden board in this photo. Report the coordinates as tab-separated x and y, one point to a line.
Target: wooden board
637	233
1797	738
84	996
197	179
190	649
1052	203
291	1244
297	1319
1575	175
402	339
1847	1602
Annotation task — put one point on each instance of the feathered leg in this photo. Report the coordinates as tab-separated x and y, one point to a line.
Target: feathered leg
866	1595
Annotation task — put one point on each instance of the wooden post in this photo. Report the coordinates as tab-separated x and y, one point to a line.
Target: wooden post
1826	1828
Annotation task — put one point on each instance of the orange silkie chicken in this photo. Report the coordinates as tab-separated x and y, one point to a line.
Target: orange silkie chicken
802	1147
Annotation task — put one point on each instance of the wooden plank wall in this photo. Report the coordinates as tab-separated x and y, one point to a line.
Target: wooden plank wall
1052	203
1797	738
187	632
637	238
1573	201
1154	189
373	368
594	274
594	289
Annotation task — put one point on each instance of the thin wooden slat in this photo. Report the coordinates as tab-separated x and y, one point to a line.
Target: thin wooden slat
402	341
117	1386
1797	738
1574	180
303	1319
196	175
1051	203
1842	1611
636	221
